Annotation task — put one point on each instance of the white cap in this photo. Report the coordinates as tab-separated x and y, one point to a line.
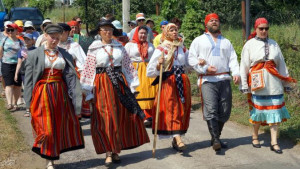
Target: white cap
117	24
47	21
7	23
28	24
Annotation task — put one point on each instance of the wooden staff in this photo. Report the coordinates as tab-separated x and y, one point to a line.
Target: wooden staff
157	108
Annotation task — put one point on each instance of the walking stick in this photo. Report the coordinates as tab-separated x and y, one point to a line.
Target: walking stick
157	108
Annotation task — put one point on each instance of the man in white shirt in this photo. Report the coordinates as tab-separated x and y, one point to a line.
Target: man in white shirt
213	57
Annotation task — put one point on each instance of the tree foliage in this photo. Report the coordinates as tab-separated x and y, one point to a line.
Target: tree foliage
43	5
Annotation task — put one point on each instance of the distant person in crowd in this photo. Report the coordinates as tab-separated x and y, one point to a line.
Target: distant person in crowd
9	48
109	81
132	24
74	49
22	56
140	52
157	40
29	28
3	35
140	19
79	21
39	42
265	78
213	57
53	95
122	36
19	34
178	23
150	24
175	98
74	28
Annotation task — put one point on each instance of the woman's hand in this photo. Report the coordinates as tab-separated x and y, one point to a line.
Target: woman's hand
16	78
160	61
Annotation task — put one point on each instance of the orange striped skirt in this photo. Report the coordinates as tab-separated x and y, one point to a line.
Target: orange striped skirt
55	125
113	127
174	117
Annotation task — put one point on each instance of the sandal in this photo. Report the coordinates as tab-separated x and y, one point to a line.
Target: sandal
27	113
177	146
256	145
15	108
9	107
108	161
116	158
278	151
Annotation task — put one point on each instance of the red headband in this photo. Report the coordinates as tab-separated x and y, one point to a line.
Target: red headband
73	23
258	21
209	17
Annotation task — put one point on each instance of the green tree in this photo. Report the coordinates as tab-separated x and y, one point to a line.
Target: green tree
43	5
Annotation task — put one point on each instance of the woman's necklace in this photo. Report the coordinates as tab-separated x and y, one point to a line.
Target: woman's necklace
51	57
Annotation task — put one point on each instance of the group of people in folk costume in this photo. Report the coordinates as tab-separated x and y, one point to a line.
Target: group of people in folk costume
121	84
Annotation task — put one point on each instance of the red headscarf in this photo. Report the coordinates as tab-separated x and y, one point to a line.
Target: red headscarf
209	17
73	23
142	46
257	23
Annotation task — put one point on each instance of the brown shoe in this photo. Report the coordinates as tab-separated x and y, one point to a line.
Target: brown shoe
115	158
15	108
9	107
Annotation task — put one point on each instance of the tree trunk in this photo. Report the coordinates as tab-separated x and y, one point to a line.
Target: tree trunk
157	8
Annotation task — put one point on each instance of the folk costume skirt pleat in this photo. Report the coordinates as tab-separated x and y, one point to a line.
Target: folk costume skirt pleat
113	127
55	125
174	116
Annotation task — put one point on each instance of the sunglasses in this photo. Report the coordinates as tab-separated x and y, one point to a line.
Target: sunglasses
10	30
263	28
79	22
74	27
29	28
141	20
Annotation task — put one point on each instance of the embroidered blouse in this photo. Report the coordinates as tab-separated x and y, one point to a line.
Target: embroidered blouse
98	57
180	59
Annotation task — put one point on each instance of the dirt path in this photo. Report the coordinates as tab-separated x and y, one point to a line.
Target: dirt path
198	155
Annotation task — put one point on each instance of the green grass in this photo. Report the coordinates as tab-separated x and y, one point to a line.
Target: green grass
11	138
57	15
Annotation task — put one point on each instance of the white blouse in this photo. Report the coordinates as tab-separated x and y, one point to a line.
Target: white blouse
180	59
254	52
76	51
134	54
59	63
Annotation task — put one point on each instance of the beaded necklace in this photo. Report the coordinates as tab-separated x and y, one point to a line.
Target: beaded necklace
110	55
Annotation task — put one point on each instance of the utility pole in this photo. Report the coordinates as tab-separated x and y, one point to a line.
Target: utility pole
126	14
244	19
248	29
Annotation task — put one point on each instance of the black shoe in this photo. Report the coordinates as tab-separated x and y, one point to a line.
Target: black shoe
115	158
279	151
256	145
176	147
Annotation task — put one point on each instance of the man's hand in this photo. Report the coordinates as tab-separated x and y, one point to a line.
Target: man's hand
211	70
201	62
236	79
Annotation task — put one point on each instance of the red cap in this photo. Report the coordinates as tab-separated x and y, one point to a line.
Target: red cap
209	17
15	26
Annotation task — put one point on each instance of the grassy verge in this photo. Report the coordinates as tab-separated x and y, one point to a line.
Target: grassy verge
11	138
57	15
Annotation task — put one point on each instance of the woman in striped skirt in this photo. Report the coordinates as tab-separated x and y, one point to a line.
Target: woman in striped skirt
175	99
140	52
264	76
50	83
109	80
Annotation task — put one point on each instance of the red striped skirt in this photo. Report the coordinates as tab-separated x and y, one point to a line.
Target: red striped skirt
174	117
113	127
55	126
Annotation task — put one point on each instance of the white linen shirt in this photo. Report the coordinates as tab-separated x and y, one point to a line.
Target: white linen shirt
201	48
134	54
